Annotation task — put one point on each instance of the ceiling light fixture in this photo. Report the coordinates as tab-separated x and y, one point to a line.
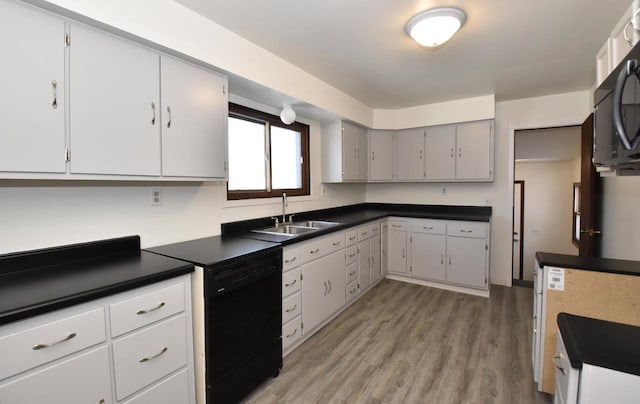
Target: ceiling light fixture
435	26
287	115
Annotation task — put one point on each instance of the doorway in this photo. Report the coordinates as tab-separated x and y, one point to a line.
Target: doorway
548	160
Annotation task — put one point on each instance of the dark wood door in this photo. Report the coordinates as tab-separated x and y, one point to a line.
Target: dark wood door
590	197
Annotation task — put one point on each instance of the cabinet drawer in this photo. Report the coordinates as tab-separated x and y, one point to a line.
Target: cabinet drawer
148	355
352	290
291	258
173	390
322	246
352	272
397	225
363	233
139	311
290	282
29	348
82	379
291	307
429	226
351	254
374	229
467	229
352	237
291	332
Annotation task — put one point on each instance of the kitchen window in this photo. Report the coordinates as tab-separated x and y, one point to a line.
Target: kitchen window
266	157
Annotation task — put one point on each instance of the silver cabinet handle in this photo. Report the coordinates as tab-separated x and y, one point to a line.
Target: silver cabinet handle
396	225
442	258
459	151
169	121
373	155
325	288
317	250
449	259
54	103
153	109
466	231
50	344
427	228
624	31
403	253
352	291
452	152
556	358
292	334
352	238
295	306
291	260
352	273
148	358
352	255
329	282
145	311
373	262
337	243
286	285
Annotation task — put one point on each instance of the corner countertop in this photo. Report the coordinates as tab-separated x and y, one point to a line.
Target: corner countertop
210	251
40	281
614	266
600	343
354	215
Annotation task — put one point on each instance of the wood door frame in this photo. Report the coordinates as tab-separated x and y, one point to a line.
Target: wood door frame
521	182
590	195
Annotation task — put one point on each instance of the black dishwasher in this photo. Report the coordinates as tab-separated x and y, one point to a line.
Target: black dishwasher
243	338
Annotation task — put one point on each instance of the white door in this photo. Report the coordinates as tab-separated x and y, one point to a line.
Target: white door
194	120
350	144
397	251
376	266
115	105
33	85
380	155
440	158
517	229
428	256
466	261
410	154
473	148
364	264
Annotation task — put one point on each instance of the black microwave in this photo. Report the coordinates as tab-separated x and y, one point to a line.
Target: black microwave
616	127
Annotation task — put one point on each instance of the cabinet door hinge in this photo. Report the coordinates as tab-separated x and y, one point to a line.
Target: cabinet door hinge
300	276
67	40
225	165
67	155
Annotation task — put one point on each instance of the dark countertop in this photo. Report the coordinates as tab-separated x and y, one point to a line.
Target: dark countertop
39	281
353	215
623	267
209	251
600	343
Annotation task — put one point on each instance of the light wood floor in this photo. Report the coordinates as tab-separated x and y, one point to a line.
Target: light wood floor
403	343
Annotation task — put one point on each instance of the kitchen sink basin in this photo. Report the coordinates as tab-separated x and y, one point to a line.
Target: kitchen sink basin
318	224
287	230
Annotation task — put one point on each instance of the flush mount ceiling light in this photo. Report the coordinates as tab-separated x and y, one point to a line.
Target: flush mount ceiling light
287	115
435	26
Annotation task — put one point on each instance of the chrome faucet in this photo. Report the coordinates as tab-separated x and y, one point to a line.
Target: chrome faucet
284	207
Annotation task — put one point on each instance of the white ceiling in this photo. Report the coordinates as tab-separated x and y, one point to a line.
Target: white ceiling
510	48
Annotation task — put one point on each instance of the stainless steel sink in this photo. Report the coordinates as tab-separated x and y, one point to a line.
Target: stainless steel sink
319	224
287	230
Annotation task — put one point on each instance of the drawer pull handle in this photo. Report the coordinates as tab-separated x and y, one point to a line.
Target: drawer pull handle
352	238
147	359
292	334
42	346
466	231
352	291
560	368
159	306
286	285
352	273
295	306
291	260
396	225
54	103
337	243
317	250
427	228
352	255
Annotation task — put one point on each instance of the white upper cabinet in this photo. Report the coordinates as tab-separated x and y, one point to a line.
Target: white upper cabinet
410	154
194	119
344	152
474	149
115	103
440	145
622	38
32	137
381	145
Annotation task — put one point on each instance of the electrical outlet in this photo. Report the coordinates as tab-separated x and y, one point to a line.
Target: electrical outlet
156	197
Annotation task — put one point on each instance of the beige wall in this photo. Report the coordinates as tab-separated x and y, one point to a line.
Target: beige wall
548	202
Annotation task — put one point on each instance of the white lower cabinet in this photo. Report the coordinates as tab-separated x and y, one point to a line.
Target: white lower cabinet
466	262
397	246
427	256
85	378
323	289
291	297
73	355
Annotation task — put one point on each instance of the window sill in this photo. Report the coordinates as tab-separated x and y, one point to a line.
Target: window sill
224	203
